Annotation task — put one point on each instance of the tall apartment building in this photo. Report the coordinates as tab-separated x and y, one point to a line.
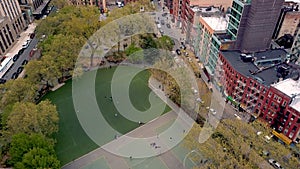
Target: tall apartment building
33	8
185	10
11	24
295	50
289	20
210	23
252	23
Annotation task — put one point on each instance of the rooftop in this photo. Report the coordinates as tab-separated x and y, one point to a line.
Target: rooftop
216	23
210	9
289	87
266	74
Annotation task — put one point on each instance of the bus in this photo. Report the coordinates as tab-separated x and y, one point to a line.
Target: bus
5	65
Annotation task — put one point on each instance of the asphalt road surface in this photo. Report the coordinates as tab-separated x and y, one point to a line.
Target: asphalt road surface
18	63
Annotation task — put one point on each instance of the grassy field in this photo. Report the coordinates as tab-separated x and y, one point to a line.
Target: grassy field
72	141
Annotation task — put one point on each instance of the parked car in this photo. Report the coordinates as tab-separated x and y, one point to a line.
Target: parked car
164	14
2	81
25	62
162	22
20	69
25	45
32	35
15	75
21	51
178	52
16	57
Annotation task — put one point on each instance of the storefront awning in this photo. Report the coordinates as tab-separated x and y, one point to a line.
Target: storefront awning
229	98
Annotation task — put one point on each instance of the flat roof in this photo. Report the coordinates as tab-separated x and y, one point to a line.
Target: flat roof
216	23
266	76
289	87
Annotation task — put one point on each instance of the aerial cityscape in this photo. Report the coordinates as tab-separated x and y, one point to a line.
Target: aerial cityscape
150	84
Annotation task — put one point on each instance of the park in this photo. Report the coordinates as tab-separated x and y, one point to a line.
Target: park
72	141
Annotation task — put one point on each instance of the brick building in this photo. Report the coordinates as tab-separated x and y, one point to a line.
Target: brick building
264	85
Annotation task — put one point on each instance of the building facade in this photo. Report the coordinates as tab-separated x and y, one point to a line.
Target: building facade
11	24
288	20
281	108
252	23
33	9
264	85
295	50
184	10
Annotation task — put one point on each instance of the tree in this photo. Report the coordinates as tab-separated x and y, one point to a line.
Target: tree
38	158
59	3
32	151
16	91
165	42
30	118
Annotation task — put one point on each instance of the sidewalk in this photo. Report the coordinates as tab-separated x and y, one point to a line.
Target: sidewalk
24	36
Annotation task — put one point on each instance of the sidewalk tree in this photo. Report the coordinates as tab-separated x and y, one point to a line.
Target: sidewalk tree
28	118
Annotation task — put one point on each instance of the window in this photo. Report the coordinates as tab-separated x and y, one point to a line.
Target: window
261	97
275	97
279	99
267	101
270	94
284	103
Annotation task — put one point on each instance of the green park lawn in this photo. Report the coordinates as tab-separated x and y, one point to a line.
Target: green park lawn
72	141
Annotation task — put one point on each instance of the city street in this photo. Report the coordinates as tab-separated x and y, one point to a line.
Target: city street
18	63
25	55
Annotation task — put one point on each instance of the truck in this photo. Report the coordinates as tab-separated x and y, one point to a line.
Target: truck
5	65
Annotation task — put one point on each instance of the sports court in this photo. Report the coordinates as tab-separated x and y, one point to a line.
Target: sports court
72	141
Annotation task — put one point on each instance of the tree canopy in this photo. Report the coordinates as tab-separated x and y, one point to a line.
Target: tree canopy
27	117
32	151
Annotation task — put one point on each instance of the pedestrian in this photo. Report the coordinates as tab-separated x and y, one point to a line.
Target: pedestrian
110	66
130	157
